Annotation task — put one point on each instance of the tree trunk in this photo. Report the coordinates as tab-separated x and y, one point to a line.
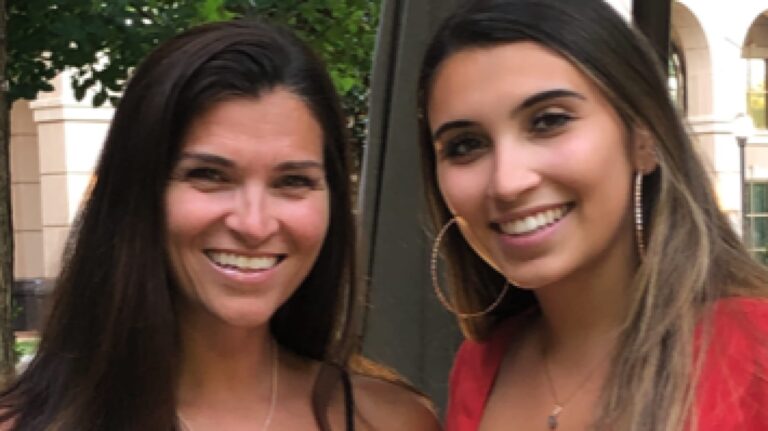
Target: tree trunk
6	227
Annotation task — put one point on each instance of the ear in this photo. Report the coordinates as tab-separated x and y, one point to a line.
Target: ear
644	150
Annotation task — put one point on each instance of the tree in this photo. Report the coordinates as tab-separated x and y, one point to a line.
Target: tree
343	32
102	40
6	226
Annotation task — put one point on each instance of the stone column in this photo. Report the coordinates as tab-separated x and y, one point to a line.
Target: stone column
70	136
25	194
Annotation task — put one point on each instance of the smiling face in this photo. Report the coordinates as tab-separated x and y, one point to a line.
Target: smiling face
247	207
534	161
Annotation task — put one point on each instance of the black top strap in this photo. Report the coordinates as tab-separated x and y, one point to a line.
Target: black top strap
349	400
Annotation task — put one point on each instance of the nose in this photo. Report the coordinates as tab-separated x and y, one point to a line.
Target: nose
513	172
252	218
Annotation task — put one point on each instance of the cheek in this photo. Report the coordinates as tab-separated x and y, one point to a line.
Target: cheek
308	220
178	217
181	224
598	170
596	154
464	191
463	188
188	212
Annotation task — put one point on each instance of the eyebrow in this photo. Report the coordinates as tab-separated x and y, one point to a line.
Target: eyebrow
455	124
527	103
549	94
294	165
208	158
291	165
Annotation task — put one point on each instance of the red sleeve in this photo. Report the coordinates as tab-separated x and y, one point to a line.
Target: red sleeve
471	379
462	413
733	385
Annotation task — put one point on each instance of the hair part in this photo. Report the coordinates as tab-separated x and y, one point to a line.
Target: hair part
693	256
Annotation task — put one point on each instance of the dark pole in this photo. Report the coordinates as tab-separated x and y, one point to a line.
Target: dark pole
6	219
653	18
746	231
405	327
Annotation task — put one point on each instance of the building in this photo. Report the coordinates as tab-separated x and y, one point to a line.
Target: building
55	142
718	71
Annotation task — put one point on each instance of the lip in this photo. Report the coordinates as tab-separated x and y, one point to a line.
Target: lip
525	212
528	242
239	276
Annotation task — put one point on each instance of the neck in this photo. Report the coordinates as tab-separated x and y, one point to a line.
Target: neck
223	365
582	316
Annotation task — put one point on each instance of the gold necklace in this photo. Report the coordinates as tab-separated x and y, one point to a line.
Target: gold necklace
273	397
552	418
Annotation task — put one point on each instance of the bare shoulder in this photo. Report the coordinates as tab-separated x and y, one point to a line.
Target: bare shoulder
385	405
6	425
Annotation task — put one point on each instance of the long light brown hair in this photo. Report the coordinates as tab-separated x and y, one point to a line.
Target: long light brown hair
693	256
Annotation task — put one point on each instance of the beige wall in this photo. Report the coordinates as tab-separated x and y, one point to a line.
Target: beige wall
25	193
55	145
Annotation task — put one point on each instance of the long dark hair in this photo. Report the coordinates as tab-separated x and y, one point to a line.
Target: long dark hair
693	256
109	352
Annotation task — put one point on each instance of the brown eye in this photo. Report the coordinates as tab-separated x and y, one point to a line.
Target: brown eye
463	146
550	121
205	174
296	182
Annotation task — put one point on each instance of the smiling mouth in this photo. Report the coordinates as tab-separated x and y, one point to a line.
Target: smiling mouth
534	222
243	263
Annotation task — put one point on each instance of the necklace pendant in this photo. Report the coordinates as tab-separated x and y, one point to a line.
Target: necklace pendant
552	422
552	418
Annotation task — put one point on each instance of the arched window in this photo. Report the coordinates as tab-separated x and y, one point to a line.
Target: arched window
757	91
755	52
676	82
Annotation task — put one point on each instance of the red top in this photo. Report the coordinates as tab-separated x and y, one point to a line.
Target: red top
732	393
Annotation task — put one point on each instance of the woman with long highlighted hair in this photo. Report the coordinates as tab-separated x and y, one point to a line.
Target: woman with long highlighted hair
597	281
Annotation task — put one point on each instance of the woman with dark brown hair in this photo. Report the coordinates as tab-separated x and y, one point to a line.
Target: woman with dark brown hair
598	282
210	282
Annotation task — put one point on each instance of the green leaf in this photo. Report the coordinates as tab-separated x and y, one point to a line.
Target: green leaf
99	98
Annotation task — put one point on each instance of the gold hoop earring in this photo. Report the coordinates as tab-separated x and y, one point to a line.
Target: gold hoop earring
639	229
436	285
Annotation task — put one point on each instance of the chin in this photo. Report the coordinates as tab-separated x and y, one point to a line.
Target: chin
534	279
538	273
244	317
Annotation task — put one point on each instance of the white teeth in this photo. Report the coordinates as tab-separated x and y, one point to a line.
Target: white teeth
533	222
243	262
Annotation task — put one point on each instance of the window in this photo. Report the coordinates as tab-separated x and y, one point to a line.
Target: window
676	78
757	219
757	91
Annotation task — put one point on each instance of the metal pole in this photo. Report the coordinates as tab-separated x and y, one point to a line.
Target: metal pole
405	327
653	18
745	228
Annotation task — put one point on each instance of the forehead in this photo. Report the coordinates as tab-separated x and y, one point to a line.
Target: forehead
273	122
509	72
